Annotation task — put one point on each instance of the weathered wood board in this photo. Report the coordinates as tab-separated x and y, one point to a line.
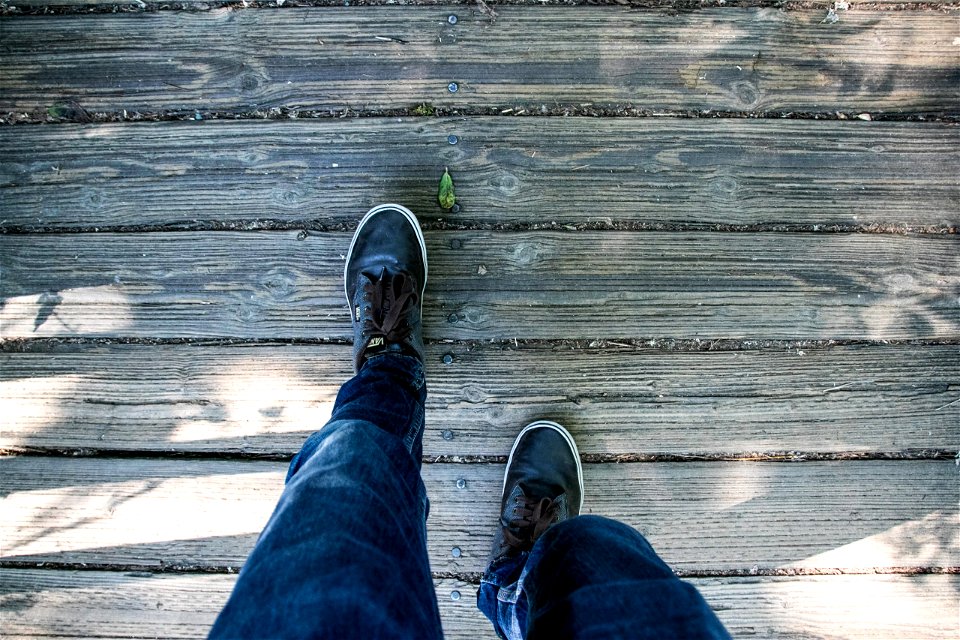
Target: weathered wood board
580	171
97	604
639	212
205	5
265	399
368	58
545	285
868	516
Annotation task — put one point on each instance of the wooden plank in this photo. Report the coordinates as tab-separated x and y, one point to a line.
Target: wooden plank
580	171
53	604
265	399
490	285
718	516
101	604
57	603
205	5
363	58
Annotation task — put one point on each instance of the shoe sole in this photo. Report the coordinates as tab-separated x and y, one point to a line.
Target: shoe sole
412	219
569	438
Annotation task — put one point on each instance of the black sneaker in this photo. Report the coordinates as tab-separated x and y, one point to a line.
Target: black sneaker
543	485
384	280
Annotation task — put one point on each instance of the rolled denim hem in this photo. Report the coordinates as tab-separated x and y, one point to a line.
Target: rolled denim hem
500	596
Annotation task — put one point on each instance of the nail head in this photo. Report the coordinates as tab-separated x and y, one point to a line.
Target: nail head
461	484
447	435
447	358
452	19
452	318
453	87
454	595
455	208
452	139
455	243
455	552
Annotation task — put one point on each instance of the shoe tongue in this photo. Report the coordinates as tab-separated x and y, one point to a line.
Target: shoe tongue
536	490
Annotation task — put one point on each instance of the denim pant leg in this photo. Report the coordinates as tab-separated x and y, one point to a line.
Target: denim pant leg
592	577
344	554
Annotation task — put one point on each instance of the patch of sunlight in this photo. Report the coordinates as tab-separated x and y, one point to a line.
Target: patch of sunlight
101	131
905	316
738	483
79	311
933	540
136	512
859	606
29	404
260	401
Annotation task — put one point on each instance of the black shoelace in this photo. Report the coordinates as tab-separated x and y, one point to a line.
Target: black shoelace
530	519
389	298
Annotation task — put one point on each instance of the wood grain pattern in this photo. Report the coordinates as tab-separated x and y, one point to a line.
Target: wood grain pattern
99	604
266	399
336	58
96	604
718	516
582	171
205	5
490	285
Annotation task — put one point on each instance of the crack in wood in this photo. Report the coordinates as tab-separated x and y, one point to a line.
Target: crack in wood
43	345
587	458
309	228
473	577
22	118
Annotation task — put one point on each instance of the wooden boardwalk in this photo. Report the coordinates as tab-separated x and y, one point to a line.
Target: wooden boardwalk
718	243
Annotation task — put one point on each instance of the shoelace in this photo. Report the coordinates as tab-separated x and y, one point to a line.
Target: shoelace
389	297
531	519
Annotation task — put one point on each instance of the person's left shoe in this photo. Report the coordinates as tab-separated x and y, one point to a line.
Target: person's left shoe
384	280
542	485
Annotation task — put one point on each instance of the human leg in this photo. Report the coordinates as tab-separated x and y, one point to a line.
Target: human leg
593	577
344	553
580	577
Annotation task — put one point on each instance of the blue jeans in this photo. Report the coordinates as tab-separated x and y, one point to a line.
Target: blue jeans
344	554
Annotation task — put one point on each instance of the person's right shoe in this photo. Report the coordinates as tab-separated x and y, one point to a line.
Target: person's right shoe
543	485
